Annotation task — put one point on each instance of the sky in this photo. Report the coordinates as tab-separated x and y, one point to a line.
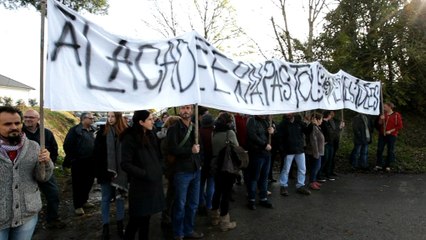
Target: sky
20	31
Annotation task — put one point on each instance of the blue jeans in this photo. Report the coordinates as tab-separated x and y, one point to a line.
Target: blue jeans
315	168
301	169
388	141
23	232
258	176
187	186
206	191
51	192
108	191
359	156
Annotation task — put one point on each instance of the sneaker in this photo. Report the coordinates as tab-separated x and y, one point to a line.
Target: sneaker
377	168
266	204
284	191
329	178
56	224
322	180
194	235
251	205
303	190
313	186
268	193
88	205
387	169
79	212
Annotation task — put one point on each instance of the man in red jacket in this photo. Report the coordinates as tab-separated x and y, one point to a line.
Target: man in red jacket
389	125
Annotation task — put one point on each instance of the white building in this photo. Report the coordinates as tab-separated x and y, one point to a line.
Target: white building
15	90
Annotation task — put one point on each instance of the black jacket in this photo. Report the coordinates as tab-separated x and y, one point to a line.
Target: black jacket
331	131
100	156
50	141
292	135
186	161
257	135
79	143
359	129
143	166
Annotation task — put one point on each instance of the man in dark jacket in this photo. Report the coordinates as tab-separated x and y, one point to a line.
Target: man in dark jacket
291	130
78	146
259	148
362	128
182	145
49	188
331	135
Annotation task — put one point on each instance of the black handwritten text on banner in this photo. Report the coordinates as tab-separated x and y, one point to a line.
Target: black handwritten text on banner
100	71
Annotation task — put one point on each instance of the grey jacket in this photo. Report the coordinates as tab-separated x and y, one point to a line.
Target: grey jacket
316	143
218	143
20	197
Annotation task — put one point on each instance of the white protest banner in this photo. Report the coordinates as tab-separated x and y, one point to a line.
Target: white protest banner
360	95
91	69
99	71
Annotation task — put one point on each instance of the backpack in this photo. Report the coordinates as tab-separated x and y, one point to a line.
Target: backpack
232	158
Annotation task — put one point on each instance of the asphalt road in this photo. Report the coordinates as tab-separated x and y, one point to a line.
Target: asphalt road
355	206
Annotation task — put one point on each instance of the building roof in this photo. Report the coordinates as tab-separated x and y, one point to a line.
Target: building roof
8	82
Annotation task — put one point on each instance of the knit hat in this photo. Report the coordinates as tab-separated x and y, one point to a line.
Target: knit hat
207	120
140	115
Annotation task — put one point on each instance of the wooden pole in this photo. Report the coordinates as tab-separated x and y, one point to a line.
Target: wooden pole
270	135
382	108
342	120
41	110
196	124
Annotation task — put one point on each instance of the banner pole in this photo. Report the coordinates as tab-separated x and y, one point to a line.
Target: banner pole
196	124
342	120
382	107
270	135
41	110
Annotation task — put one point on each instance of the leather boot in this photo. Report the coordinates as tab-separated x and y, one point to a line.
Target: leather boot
120	229
214	216
226	224
105	232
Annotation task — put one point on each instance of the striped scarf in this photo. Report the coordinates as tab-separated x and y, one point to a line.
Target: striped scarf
4	147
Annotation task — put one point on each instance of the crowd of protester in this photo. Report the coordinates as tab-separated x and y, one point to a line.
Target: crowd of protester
131	161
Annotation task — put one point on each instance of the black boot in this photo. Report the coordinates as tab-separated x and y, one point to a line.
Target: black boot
105	232
120	229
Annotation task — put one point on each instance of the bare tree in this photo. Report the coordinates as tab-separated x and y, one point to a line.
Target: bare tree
285	41
315	7
165	20
217	19
282	34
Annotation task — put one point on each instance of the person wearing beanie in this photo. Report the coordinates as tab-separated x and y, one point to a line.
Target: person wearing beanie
140	159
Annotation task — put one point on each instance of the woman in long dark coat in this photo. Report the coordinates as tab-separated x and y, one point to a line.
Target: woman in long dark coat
141	160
